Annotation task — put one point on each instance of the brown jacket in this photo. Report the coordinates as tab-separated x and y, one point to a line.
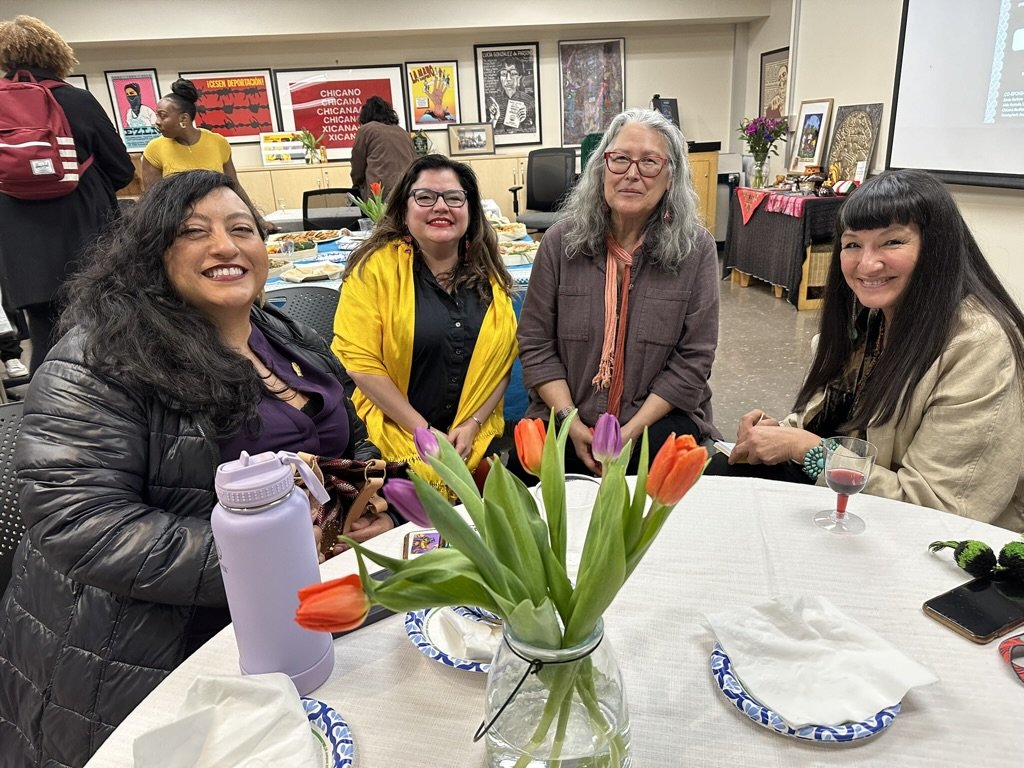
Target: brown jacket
960	446
381	153
671	333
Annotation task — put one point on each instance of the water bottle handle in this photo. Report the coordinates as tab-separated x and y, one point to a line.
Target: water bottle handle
309	477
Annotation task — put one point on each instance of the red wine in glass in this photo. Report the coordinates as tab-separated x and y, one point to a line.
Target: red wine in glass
848	462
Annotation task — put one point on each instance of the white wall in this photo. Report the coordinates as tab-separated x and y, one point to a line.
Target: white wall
847	51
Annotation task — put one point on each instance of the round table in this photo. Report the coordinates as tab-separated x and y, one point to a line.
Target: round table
730	543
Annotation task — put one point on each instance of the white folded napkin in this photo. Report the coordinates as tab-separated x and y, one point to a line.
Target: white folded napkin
813	665
241	722
464	638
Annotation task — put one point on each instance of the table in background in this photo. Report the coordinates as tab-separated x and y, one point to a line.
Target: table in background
730	543
773	246
290	219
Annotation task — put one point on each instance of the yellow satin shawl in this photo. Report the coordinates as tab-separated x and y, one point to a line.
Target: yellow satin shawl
374	330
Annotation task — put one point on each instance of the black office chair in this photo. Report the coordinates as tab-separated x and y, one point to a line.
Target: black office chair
320	208
312	305
550	175
12	527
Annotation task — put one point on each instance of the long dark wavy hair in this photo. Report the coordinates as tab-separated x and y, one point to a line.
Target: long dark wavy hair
950	267
479	259
139	332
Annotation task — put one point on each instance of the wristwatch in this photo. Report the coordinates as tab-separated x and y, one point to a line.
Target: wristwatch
814	462
562	415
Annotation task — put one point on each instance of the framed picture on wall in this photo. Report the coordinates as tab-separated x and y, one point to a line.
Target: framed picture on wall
432	88
811	132
508	87
327	101
592	86
78	81
238	104
854	137
774	93
133	95
471	139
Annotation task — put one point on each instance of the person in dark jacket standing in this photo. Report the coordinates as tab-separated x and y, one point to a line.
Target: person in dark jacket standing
382	149
169	368
40	240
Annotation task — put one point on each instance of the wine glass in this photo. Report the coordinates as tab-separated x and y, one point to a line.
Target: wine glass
848	462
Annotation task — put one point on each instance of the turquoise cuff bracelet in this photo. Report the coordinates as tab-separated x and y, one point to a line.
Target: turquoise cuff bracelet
814	462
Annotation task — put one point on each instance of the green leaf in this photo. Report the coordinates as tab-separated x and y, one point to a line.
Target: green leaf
634	518
552	482
452	469
512	540
535	624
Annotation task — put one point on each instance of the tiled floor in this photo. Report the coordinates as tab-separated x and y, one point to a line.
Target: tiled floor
764	348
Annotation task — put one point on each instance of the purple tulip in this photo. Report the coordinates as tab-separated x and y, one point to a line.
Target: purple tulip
426	443
402	496
607	443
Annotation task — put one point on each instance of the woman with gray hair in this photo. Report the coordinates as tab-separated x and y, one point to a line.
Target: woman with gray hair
622	310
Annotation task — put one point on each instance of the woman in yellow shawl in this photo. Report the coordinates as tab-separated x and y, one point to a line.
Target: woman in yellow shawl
425	325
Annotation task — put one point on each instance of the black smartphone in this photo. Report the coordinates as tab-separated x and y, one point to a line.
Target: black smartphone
377	611
981	610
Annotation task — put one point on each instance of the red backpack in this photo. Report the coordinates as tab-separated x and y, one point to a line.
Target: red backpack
38	159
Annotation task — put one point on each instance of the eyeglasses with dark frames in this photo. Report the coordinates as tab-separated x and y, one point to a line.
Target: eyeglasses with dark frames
453	198
647	166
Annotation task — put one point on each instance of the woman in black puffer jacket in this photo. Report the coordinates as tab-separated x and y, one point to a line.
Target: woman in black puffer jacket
169	368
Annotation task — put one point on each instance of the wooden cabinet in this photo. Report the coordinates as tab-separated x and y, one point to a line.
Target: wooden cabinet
290	183
704	171
260	188
495	175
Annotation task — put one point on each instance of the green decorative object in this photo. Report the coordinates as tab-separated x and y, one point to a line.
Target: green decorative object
421	143
975	557
814	462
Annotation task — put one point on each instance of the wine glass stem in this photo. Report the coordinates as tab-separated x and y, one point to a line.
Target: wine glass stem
841	499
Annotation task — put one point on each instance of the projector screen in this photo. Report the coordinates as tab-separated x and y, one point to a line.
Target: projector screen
958	102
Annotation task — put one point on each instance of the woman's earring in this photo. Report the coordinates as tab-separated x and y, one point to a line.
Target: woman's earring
667	216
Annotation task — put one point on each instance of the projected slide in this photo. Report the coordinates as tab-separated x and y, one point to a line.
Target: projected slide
1006	89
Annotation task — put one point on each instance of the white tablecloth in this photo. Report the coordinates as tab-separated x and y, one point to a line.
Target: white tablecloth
729	543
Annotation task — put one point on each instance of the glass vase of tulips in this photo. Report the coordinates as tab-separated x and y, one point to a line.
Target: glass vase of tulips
375	207
554	692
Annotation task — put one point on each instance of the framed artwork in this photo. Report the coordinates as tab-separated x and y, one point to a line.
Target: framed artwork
133	95
237	104
432	88
811	131
78	81
592	86
668	107
854	137
471	139
508	87
774	91
327	101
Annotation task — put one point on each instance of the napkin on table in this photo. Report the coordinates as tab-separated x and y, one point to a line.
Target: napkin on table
811	664
255	720
465	638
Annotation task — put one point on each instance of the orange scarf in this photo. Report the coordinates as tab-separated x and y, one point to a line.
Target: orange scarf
610	370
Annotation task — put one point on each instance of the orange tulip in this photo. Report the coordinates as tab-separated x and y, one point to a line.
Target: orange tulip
530	435
675	469
334	606
375	188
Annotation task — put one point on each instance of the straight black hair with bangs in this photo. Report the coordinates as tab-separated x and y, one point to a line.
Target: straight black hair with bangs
950	267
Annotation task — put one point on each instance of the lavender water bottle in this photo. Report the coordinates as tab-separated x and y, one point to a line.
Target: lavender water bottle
264	540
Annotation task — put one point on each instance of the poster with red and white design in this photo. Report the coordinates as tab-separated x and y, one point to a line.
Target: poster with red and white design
238	104
326	102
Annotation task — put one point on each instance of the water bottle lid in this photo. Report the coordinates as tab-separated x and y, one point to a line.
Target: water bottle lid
253	481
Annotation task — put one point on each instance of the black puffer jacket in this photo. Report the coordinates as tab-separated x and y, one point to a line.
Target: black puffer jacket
116	580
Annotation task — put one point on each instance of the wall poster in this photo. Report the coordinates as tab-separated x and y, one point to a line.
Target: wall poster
508	87
327	101
593	86
79	81
133	95
237	104
433	91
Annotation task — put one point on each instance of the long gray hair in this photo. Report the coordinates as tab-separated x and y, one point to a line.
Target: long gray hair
670	241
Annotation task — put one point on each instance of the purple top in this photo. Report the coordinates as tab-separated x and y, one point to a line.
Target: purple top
322	431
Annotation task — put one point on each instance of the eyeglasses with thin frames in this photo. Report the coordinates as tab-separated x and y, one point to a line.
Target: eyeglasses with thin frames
453	198
647	166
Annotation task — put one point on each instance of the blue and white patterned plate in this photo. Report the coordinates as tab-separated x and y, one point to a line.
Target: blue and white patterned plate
417	627
732	689
332	731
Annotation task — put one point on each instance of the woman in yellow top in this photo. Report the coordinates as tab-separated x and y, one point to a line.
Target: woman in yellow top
182	146
425	325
